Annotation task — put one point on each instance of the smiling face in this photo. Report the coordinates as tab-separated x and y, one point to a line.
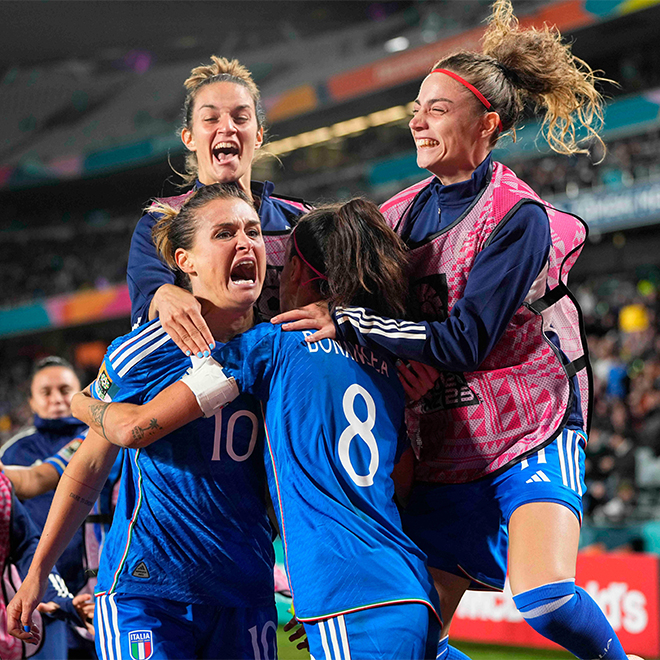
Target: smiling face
223	133
227	261
51	392
450	130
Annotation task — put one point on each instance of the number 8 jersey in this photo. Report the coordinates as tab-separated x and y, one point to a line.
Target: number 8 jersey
190	523
334	428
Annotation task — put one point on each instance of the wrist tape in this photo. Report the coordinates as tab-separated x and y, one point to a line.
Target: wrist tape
210	385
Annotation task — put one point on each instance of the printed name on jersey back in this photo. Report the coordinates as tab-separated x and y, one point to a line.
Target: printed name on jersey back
358	354
450	391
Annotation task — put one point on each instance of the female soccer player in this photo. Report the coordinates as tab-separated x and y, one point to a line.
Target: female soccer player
223	130
186	570
500	439
334	420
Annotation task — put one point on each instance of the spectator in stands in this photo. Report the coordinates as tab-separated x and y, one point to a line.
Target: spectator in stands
53	384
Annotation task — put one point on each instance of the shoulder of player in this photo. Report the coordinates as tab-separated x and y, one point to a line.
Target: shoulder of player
407	194
143	348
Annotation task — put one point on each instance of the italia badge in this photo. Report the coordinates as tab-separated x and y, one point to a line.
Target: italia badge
141	645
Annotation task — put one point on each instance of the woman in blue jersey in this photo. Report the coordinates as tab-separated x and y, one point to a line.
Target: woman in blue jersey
334	428
186	569
500	439
223	131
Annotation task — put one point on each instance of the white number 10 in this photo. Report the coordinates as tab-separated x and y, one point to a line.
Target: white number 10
217	439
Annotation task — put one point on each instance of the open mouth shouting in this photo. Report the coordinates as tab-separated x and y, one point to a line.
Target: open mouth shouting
244	272
225	151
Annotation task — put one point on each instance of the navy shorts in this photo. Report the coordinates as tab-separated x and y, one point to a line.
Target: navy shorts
130	627
463	528
406	631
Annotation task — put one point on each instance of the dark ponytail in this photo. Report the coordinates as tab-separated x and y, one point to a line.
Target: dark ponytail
364	261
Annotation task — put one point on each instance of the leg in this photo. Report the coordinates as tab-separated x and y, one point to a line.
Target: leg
543	543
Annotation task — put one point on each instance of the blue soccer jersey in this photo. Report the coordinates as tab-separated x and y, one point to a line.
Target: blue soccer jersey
190	523
334	426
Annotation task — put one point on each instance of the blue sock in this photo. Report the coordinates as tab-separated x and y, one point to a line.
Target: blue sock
568	616
446	652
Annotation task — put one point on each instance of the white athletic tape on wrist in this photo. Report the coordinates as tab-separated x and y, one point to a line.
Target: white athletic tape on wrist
210	385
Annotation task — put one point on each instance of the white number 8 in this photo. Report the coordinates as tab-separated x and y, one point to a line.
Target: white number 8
362	429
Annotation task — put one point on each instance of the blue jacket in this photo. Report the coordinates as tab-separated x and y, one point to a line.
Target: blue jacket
33	445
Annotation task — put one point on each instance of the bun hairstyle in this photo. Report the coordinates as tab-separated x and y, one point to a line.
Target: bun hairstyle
521	66
176	227
220	70
364	261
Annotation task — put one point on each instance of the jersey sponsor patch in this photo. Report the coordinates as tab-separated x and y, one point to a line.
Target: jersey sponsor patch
140	643
141	571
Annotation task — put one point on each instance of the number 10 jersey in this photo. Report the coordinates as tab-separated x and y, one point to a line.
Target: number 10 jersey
190	523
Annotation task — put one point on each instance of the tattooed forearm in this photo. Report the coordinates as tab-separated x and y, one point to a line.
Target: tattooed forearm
82	500
151	428
97	411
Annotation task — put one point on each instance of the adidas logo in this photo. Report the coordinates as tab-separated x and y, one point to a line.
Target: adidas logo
538	476
141	571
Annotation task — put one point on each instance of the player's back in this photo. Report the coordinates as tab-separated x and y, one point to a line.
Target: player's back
190	522
334	424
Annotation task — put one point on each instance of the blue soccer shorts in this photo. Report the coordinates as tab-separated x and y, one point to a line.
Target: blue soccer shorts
130	627
463	528
407	631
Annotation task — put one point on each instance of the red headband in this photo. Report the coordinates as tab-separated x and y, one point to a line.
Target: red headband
472	88
321	276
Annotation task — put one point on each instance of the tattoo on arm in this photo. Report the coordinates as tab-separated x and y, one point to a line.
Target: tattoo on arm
97	411
82	500
151	428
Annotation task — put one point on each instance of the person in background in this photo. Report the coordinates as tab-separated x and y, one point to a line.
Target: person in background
18	541
52	385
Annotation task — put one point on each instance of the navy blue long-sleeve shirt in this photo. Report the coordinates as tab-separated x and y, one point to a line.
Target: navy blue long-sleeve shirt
498	283
31	447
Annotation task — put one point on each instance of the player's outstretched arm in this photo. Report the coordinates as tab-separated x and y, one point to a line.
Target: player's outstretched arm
76	493
132	425
31	481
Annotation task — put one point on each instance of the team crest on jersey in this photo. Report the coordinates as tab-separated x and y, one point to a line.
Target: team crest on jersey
141	644
450	391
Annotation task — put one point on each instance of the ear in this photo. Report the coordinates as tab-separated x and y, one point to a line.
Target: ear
188	140
260	137
297	271
184	261
489	124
